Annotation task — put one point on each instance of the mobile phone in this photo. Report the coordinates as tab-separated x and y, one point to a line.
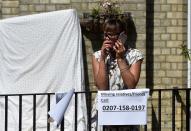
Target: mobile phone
122	37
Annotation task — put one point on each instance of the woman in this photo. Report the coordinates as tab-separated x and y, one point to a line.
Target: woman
116	66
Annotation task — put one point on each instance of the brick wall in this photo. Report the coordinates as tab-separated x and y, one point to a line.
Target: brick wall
170	67
169	33
165	64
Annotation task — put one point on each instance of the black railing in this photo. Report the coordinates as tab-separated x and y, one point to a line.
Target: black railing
176	97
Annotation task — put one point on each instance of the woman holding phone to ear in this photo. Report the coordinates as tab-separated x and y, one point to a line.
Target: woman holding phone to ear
116	66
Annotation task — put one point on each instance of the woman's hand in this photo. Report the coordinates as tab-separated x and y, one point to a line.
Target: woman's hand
119	49
106	47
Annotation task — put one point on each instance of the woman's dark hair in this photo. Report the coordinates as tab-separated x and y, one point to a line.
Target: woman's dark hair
112	24
124	24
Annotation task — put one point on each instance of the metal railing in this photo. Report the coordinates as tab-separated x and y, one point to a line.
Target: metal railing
175	97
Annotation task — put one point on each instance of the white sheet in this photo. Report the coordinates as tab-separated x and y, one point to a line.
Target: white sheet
41	53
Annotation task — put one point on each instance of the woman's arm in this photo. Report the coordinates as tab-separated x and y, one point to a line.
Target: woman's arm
100	68
130	75
100	73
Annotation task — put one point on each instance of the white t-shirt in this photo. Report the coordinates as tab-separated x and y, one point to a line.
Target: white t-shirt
115	79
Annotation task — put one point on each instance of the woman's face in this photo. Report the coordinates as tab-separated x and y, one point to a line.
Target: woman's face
112	35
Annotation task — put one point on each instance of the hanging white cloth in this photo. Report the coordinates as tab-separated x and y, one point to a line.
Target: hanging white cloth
38	54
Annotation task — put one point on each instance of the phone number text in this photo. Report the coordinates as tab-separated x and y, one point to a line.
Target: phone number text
123	108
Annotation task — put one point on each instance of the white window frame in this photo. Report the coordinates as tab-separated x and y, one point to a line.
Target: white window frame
189	43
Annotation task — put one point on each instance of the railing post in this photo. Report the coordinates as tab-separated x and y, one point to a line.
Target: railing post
187	110
34	112
145	128
6	112
20	112
76	111
48	108
173	109
62	125
159	109
89	111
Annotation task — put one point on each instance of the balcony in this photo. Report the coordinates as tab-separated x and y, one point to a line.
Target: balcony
162	103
